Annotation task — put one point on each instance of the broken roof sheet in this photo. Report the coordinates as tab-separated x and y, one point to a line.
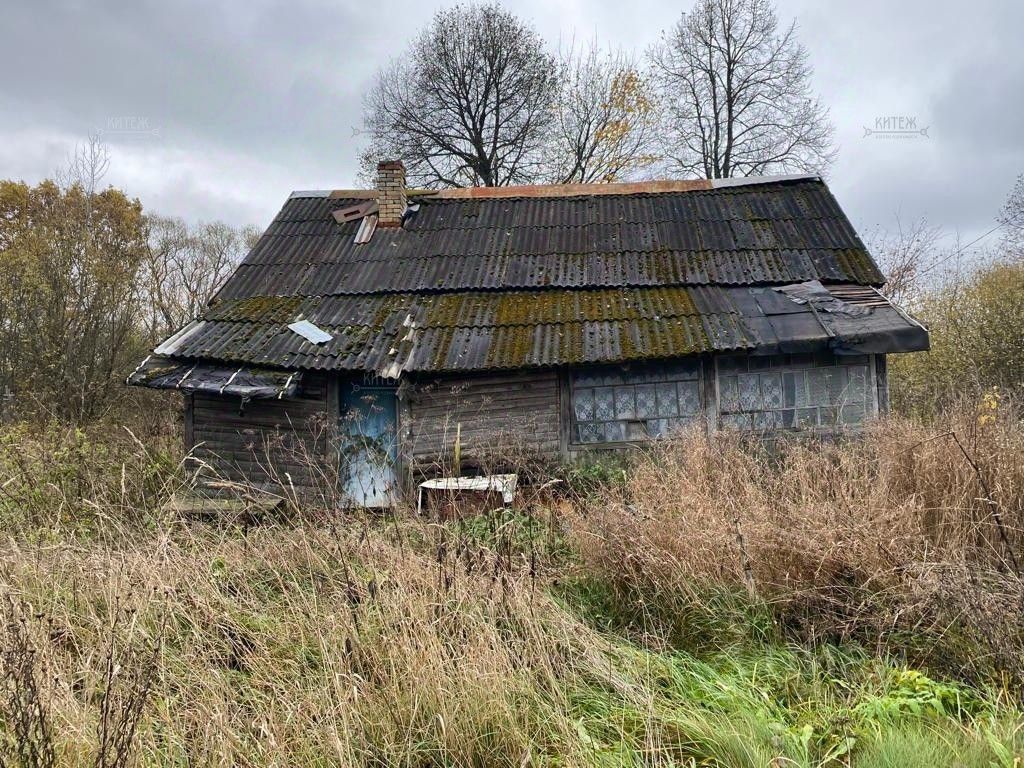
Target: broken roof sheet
248	382
545	277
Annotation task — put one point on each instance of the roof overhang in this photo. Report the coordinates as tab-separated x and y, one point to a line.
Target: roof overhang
247	382
810	317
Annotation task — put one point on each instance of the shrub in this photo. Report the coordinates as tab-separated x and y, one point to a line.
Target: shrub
54	476
976	326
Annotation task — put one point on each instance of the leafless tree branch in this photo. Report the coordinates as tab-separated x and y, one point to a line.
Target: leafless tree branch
470	103
906	254
736	94
606	118
1011	217
183	268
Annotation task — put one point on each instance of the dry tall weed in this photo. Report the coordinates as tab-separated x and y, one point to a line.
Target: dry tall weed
345	639
296	645
904	530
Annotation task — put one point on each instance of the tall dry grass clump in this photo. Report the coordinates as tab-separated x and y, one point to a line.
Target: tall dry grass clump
299	646
907	531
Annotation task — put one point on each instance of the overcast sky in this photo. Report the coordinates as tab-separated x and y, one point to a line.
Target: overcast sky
217	110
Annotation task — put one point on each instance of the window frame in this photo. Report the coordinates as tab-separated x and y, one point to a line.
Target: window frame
871	405
573	443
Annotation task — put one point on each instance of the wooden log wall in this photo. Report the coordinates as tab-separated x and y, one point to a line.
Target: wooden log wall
505	419
271	443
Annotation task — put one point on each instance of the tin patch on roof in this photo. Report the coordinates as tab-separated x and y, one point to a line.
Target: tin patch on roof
310	332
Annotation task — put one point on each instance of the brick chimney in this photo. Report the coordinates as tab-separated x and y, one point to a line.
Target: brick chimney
390	193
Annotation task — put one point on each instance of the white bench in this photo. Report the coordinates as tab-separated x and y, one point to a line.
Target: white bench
503	484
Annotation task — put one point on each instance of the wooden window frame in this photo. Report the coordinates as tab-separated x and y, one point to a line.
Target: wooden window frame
572	445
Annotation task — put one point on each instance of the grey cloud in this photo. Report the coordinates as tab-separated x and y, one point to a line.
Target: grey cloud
252	99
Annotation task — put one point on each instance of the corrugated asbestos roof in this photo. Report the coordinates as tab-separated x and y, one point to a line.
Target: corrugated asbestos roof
768	233
466	331
474	283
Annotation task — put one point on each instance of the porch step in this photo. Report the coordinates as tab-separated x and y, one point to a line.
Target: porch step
249	507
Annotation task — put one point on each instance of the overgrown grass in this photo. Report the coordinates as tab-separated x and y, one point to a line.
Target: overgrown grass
907	540
293	646
58	480
709	605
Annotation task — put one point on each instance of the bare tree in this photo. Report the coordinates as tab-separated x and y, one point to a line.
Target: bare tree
183	268
470	103
606	118
907	255
1011	217
86	166
737	94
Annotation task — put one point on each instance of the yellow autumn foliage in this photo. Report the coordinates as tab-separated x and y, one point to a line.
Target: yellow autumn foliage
977	342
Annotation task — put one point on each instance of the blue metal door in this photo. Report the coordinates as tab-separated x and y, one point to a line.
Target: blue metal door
369	449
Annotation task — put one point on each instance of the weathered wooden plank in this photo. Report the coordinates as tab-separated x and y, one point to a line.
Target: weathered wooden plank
882	382
494	411
189	422
241	447
470	428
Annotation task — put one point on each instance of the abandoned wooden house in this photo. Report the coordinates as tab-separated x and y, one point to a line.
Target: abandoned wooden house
555	319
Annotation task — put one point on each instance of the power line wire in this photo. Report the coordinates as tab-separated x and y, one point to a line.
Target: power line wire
978	239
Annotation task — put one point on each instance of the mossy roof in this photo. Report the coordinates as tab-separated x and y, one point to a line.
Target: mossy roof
510	282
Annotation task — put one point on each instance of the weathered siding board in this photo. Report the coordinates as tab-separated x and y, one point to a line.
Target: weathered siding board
500	415
189	423
882	382
238	447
